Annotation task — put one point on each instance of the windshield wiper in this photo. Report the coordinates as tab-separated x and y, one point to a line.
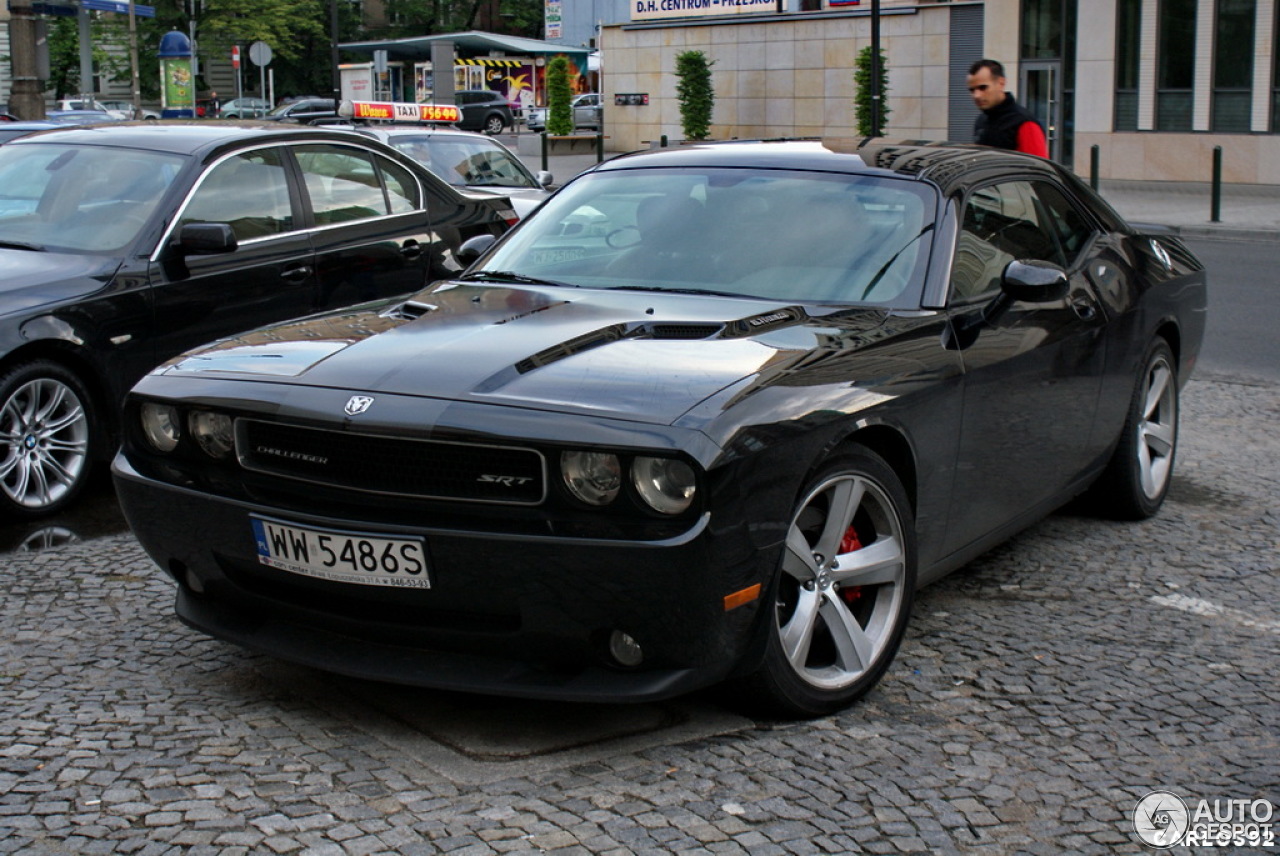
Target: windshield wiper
510	276
22	245
670	290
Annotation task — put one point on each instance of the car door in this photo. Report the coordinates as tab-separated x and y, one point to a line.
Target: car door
372	233
268	276
1033	372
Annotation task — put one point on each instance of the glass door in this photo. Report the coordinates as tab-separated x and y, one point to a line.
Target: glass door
1040	91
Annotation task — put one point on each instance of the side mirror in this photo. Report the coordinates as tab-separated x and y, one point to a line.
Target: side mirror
1033	281
544	178
204	239
474	248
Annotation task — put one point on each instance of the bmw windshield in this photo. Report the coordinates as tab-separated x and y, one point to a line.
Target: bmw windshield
83	199
776	234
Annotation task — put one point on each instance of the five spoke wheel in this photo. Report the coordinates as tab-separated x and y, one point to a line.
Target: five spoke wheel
844	588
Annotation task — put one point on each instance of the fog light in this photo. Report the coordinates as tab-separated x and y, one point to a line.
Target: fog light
625	650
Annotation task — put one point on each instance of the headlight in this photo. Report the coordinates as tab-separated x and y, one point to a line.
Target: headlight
161	426
213	432
666	484
593	477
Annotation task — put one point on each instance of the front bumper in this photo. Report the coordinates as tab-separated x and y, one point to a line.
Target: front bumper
522	616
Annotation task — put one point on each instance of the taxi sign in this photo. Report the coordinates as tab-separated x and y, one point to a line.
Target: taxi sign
399	111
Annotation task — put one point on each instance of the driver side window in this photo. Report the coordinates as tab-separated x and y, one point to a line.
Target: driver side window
1001	223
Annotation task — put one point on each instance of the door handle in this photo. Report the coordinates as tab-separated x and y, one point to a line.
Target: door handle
411	249
296	274
1084	307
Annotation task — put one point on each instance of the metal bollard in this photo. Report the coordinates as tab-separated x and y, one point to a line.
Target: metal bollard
599	146
1095	152
544	152
664	141
1215	208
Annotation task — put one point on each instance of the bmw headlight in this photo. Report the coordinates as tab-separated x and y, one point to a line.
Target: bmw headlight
161	426
212	431
667	485
593	477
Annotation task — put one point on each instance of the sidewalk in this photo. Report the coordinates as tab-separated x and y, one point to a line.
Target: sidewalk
1247	211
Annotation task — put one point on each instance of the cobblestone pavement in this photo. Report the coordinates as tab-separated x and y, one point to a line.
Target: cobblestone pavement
1039	694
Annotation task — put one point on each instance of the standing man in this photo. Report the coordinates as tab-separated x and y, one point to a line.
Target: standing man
1003	122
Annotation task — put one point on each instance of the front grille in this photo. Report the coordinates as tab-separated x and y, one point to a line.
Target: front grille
425	469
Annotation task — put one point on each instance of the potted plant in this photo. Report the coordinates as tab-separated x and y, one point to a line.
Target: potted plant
696	95
865	90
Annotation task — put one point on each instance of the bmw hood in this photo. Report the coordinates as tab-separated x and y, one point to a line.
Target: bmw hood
634	355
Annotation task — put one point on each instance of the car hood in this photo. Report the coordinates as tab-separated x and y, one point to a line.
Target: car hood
29	279
634	355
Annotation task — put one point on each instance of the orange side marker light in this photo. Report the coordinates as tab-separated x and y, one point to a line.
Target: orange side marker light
741	598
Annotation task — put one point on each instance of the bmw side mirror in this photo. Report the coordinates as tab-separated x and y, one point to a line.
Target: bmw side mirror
544	179
203	239
1033	281
474	248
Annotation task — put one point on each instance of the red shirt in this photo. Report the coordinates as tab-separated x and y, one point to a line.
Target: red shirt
1031	140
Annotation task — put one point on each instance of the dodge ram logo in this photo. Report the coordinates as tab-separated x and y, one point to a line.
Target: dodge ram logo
358	404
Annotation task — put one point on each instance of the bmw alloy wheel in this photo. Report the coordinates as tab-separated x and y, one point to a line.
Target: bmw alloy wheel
44	438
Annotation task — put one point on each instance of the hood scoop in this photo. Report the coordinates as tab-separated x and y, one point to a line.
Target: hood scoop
672	331
682	331
410	310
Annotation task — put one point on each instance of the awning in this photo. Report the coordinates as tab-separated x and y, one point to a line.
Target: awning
473	42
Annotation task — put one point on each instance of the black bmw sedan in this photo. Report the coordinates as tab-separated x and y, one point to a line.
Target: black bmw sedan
709	413
122	245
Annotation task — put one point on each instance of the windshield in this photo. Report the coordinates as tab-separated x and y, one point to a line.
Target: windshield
89	199
777	234
465	162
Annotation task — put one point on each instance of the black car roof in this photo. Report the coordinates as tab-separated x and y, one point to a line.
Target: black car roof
181	137
935	162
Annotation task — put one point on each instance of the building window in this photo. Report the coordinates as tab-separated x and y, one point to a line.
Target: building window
1175	65
1128	40
1233	65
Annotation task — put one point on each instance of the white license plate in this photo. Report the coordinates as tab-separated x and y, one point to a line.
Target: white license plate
347	557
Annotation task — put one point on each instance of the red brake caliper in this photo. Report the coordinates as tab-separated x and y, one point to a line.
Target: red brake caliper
848	544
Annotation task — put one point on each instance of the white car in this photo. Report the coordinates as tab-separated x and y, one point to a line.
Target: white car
125	108
93	104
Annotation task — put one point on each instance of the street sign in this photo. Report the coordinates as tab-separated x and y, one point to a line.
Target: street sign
235	56
260	53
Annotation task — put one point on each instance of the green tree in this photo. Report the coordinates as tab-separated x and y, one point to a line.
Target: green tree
64	57
559	97
696	95
864	89
415	17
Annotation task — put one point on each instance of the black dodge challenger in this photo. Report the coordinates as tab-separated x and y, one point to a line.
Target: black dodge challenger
710	413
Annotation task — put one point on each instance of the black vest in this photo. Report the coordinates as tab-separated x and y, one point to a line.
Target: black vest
999	126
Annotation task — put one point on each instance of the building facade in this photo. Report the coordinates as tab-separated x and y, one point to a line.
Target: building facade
1155	85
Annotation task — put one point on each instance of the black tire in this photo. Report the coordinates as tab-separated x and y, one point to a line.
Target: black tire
1137	478
494	124
48	438
834	631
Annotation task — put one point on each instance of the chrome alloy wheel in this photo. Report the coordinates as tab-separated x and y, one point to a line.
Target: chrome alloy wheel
843	588
1157	428
44	437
